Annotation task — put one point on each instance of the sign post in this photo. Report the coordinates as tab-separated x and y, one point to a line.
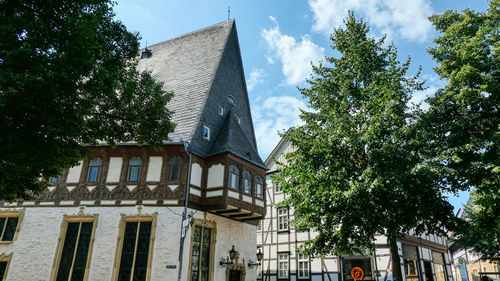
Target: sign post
463	269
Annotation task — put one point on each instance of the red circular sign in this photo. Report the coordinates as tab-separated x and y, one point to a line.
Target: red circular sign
357	273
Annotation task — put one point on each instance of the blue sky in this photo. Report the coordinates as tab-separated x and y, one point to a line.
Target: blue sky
279	39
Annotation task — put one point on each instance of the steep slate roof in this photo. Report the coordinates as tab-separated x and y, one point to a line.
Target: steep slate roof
204	70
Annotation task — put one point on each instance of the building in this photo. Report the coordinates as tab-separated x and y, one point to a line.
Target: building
118	215
423	258
467	265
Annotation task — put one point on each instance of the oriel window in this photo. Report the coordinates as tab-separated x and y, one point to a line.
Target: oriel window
94	171
175	168
233	177
247	186
202	250
73	253
134	169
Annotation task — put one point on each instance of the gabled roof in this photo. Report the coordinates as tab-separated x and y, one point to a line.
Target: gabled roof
204	70
187	65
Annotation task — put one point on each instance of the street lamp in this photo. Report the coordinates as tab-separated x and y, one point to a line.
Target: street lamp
252	264
230	258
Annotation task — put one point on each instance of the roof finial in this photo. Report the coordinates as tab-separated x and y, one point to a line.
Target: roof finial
228	12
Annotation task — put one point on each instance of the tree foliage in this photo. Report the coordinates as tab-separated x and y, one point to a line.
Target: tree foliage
462	126
68	78
354	171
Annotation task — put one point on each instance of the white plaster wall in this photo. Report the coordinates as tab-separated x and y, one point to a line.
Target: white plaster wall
74	173
196	171
115	168
154	168
215	176
36	245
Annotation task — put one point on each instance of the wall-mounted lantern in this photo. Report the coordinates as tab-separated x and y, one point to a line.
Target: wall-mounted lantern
230	259
252	264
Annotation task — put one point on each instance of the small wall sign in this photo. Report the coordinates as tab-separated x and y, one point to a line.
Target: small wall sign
357	273
171	266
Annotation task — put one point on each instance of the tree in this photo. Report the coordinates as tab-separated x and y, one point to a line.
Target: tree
354	172
462	126
68	79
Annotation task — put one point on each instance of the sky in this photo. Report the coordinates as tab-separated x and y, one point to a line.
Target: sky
279	40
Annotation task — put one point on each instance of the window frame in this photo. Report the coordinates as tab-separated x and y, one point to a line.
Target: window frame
246	176
204	224
301	258
286	216
139	171
207	135
6	259
259	181
119	242
19	214
99	171
237	177
277	188
56	182
280	277
179	166
80	218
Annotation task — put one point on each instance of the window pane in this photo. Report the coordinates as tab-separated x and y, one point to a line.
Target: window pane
95	162
128	248
133	174
3	267
82	252
195	254
68	251
205	255
2	224
141	257
93	171
10	229
135	162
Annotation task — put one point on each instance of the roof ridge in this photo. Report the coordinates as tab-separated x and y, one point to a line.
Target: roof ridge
190	33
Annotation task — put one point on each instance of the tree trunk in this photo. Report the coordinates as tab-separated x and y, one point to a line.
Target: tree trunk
397	275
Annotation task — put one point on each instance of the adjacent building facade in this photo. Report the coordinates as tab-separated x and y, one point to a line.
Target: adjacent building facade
118	214
423	258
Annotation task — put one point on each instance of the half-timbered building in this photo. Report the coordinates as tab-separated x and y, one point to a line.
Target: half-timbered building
118	215
423	258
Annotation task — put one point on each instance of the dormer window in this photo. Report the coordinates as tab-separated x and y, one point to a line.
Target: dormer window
238	119
230	100
206	132
221	111
146	54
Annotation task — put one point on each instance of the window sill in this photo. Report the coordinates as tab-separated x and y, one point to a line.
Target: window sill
284	231
6	242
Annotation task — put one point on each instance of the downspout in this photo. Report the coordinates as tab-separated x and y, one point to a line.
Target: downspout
184	214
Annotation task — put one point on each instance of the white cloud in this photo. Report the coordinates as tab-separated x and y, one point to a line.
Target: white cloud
295	56
256	78
396	18
273	115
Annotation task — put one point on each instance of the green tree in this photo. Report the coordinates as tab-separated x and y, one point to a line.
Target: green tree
68	79
353	175
462	126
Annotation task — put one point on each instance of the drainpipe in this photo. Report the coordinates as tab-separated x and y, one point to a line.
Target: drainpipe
184	226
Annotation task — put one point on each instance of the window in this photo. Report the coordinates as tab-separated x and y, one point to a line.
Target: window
259	187
247	186
134	169
283	265
277	187
439	266
94	172
238	119
53	180
201	265
175	168
4	266
206	132
10	225
74	250
282	219
303	265
410	259
364	262
134	253
234	174
221	110
259	225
